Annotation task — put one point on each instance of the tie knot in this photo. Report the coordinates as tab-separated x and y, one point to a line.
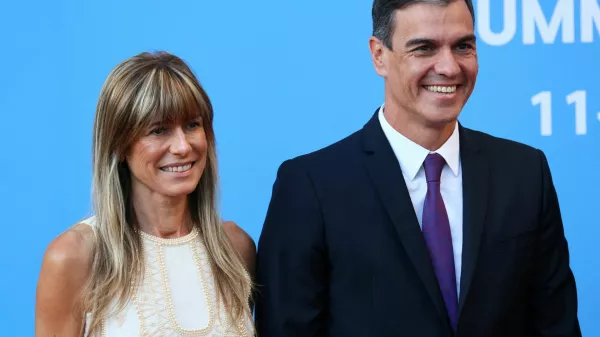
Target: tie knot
434	163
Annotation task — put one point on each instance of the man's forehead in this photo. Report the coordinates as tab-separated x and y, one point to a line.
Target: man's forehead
431	21
429	13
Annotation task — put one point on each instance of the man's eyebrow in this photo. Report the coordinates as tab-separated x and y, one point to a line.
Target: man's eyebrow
420	40
467	38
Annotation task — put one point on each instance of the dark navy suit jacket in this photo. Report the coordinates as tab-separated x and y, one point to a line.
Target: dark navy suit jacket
341	253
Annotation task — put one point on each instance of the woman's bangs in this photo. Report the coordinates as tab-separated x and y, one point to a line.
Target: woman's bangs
170	99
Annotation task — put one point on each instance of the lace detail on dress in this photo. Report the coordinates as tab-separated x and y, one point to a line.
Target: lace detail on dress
176	295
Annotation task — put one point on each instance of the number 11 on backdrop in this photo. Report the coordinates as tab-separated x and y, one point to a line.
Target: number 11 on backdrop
576	98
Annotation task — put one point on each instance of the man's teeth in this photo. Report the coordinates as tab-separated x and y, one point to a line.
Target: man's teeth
438	88
177	168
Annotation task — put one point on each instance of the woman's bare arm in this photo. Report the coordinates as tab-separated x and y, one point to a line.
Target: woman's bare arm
243	244
65	270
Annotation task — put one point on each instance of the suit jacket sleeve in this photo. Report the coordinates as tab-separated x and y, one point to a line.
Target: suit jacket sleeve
292	268
554	291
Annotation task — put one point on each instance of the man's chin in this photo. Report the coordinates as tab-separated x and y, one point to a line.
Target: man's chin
441	116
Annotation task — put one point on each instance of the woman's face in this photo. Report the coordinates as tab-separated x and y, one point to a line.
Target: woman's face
168	159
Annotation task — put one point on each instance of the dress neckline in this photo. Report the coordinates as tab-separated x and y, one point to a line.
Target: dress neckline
193	234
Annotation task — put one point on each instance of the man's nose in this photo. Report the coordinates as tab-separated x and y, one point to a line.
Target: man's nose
446	64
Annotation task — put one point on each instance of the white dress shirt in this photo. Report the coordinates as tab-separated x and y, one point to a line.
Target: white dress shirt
411	157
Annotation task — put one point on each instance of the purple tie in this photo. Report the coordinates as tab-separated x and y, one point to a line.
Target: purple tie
436	231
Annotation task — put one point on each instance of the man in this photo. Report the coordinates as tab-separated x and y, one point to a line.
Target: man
415	225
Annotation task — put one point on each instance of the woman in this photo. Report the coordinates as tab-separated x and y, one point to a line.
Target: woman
155	259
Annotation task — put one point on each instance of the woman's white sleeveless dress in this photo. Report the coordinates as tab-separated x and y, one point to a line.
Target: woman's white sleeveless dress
177	296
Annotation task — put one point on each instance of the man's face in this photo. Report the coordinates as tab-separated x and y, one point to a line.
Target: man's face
431	72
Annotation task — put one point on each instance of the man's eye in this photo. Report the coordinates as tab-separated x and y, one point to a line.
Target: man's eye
464	46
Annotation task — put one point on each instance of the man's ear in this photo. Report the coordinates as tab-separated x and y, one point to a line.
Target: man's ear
379	54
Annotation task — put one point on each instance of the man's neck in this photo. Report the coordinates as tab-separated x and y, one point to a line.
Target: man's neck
430	137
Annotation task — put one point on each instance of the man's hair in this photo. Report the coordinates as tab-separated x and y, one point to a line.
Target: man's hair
384	15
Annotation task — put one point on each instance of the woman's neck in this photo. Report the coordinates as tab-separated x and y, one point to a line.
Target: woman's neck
160	215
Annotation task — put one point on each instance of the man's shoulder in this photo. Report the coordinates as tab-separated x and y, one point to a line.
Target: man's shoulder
340	152
499	146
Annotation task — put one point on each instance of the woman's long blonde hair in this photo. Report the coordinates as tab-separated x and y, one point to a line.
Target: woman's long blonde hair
139	91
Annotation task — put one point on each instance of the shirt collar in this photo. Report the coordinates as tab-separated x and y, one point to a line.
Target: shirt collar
411	155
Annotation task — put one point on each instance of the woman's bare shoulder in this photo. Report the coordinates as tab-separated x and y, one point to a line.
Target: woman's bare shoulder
71	249
242	243
65	270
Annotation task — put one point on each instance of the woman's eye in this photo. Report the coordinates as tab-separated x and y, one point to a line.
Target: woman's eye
195	123
158	131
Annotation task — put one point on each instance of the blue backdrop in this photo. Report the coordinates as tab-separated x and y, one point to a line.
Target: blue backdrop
285	77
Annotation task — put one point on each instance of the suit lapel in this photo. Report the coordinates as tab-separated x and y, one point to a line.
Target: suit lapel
384	170
475	172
